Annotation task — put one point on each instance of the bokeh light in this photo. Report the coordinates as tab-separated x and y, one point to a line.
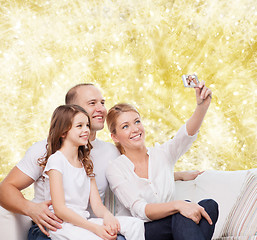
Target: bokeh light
136	52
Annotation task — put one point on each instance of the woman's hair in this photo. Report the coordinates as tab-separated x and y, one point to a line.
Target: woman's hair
61	123
113	115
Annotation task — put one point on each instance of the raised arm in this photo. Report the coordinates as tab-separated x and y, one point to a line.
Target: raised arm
203	99
13	200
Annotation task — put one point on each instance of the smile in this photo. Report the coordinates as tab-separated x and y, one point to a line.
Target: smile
136	137
84	136
98	117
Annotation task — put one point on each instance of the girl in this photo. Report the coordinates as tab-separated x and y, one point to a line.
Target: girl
68	172
142	178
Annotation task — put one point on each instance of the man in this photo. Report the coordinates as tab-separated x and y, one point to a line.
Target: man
27	170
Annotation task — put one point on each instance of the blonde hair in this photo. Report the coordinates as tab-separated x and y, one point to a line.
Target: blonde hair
113	115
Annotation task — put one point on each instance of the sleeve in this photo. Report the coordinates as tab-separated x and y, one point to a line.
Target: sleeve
179	145
29	163
55	162
127	192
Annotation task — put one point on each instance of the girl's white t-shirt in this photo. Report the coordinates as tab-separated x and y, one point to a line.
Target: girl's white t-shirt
76	183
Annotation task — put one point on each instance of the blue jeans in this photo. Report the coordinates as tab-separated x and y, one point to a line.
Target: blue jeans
178	227
36	234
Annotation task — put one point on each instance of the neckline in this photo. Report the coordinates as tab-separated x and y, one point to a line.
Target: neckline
133	166
69	161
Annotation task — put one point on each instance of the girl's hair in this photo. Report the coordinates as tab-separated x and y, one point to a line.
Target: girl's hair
113	115
61	123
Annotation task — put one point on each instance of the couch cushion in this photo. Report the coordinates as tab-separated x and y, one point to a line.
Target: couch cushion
242	219
237	238
222	186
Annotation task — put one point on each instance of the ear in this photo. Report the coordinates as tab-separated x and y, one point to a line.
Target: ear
114	138
64	135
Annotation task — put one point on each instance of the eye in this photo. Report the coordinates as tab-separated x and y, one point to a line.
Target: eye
138	121
92	103
79	125
125	126
103	102
88	125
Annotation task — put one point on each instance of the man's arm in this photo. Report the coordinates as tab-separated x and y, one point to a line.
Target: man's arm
186	175
13	200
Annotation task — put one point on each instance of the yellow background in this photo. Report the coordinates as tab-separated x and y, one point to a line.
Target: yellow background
136	52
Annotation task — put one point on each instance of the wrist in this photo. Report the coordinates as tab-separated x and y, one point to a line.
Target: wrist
27	208
178	176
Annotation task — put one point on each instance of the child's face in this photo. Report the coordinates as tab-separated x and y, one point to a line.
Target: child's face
79	133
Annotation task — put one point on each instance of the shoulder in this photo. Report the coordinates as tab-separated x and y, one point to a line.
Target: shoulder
121	163
38	148
102	146
56	161
57	158
29	163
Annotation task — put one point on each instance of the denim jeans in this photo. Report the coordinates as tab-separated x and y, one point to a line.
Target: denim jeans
36	234
178	227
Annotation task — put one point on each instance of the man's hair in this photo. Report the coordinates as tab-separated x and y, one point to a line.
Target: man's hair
71	95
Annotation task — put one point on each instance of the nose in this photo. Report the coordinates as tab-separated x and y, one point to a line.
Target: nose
100	107
86	129
135	128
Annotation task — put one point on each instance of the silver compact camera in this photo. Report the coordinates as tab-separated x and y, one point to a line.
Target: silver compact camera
190	80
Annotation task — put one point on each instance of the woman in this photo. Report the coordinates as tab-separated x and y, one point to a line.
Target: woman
142	178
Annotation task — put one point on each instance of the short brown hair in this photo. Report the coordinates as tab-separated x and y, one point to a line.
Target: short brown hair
71	95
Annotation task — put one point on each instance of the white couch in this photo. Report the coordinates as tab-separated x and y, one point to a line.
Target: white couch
223	186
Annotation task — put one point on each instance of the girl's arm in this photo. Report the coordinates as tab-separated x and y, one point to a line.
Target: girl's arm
65	213
101	211
203	99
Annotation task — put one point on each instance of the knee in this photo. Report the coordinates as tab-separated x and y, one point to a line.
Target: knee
211	207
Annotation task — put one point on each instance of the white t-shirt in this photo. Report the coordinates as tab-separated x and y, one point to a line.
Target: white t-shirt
133	192
101	154
76	183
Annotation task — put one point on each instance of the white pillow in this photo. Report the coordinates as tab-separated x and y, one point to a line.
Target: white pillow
222	186
242	219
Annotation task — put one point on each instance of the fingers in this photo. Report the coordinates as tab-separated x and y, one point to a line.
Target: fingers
206	216
55	219
108	235
43	230
110	230
118	227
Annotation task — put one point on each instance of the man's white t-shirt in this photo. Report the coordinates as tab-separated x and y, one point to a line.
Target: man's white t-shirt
101	154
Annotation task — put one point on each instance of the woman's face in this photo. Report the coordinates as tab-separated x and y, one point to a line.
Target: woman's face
130	132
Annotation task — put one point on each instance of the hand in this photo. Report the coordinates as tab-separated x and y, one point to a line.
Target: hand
111	223
43	217
190	175
193	211
103	232
203	94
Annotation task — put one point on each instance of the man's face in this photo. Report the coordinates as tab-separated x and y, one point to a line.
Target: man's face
91	99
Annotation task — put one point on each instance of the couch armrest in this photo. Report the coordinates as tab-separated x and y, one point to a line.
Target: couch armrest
13	226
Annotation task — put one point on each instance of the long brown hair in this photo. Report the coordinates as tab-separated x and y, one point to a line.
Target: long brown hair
61	123
113	115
